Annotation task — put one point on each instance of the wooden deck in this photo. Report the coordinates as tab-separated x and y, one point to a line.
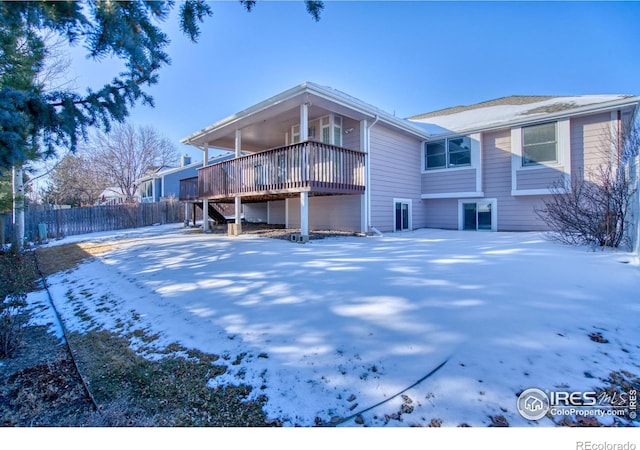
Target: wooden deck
317	168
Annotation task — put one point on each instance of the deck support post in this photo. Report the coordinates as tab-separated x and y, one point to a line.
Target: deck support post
364	200
237	227
304	214
205	202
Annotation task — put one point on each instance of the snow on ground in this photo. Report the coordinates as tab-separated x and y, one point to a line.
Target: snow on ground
332	327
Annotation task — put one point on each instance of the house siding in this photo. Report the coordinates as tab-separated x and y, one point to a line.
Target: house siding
539	177
172	181
514	213
351	140
334	212
394	173
277	212
273	212
590	141
255	212
449	181
441	213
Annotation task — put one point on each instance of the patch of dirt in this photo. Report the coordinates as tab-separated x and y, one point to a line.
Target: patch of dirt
277	231
41	387
43	395
597	337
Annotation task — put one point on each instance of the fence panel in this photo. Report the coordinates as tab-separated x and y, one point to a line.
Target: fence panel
74	221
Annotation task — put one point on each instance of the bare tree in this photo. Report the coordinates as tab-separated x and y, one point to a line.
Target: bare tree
128	153
596	209
75	181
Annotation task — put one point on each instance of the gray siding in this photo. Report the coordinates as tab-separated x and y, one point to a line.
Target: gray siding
589	142
351	140
514	213
442	213
395	173
255	212
462	180
539	178
332	212
277	212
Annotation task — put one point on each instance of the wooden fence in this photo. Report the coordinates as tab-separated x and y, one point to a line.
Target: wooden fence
69	222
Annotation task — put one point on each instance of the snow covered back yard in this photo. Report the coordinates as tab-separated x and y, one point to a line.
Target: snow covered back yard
328	329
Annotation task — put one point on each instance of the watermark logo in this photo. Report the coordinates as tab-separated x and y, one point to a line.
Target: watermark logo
533	404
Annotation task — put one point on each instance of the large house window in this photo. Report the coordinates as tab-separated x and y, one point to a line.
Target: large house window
453	152
539	144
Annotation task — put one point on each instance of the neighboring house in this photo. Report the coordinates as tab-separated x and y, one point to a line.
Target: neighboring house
165	182
313	157
113	196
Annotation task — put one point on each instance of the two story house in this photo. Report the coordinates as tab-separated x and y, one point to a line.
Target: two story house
313	157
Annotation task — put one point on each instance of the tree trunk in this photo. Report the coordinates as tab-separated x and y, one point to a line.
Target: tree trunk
18	208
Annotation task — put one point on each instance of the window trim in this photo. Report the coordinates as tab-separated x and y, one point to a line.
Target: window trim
562	163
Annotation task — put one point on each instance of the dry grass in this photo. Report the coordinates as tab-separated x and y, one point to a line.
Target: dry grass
130	390
67	256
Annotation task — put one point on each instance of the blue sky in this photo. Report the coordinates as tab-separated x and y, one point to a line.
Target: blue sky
404	57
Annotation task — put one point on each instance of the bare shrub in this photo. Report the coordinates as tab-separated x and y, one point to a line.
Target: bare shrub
12	323
598	206
17	275
593	212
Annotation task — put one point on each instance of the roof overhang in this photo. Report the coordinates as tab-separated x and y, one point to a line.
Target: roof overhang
284	109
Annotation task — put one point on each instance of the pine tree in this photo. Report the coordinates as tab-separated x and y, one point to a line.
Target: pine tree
33	122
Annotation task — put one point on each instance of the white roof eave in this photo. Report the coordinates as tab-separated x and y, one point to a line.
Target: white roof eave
542	117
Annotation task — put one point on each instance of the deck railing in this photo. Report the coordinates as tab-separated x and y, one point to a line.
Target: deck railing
307	166
189	189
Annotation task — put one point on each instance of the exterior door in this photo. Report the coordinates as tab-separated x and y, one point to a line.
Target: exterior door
476	216
402	216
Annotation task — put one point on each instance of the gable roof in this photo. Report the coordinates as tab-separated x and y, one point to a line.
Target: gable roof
323	96
516	109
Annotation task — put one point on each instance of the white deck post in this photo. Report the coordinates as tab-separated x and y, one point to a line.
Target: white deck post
238	201
205	202
304	196
304	122
304	213
364	200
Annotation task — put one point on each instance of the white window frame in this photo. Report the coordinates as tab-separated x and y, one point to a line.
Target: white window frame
563	157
